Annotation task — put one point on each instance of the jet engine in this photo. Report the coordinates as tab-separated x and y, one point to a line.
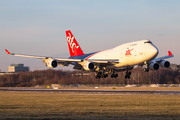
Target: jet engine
164	64
154	66
88	66
52	63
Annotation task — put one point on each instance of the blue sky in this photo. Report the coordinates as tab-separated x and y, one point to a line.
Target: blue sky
38	27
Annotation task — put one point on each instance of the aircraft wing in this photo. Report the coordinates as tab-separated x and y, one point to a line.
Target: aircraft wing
43	57
162	58
64	61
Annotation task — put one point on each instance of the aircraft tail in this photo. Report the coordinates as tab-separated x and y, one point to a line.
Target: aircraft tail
74	48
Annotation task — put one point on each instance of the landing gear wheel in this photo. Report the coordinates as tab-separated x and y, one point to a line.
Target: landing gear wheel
125	76
104	75
128	75
101	75
114	75
98	76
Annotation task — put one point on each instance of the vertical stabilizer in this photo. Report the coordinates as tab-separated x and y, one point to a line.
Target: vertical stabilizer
74	48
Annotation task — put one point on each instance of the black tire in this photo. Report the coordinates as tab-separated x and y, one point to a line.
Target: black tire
125	76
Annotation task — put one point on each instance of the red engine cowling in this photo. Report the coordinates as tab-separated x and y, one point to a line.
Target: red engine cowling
52	63
164	64
154	66
88	66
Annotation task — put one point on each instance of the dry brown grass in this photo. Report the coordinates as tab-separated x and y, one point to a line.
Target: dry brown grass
44	105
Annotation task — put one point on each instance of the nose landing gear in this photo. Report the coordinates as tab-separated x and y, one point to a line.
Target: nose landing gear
128	74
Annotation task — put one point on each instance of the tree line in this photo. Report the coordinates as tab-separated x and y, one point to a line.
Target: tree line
50	76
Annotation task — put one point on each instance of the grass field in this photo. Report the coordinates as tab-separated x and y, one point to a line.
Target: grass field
57	105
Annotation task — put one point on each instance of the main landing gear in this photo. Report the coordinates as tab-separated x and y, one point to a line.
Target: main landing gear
114	75
101	75
128	74
105	74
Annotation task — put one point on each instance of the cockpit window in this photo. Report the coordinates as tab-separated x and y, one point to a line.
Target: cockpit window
147	42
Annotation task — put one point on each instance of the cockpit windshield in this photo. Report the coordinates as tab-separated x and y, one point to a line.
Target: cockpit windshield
147	42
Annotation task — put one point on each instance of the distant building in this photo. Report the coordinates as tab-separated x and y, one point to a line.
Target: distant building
17	68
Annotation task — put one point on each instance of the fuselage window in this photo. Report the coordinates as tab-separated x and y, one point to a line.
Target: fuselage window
133	44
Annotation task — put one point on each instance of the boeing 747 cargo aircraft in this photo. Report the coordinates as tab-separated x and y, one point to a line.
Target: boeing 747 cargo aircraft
121	58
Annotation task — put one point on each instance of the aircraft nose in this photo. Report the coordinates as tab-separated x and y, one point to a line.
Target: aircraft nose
151	52
154	51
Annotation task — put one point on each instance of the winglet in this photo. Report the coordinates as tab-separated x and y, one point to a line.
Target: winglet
169	53
7	51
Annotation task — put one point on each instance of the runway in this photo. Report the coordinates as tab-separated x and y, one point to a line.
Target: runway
102	91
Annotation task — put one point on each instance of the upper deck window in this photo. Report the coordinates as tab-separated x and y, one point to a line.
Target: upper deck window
133	44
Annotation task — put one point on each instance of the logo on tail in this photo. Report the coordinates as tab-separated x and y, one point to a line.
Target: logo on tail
74	48
71	43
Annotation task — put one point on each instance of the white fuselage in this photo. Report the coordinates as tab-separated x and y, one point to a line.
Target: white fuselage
133	53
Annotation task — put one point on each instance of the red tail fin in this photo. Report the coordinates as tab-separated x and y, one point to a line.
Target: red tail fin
74	47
